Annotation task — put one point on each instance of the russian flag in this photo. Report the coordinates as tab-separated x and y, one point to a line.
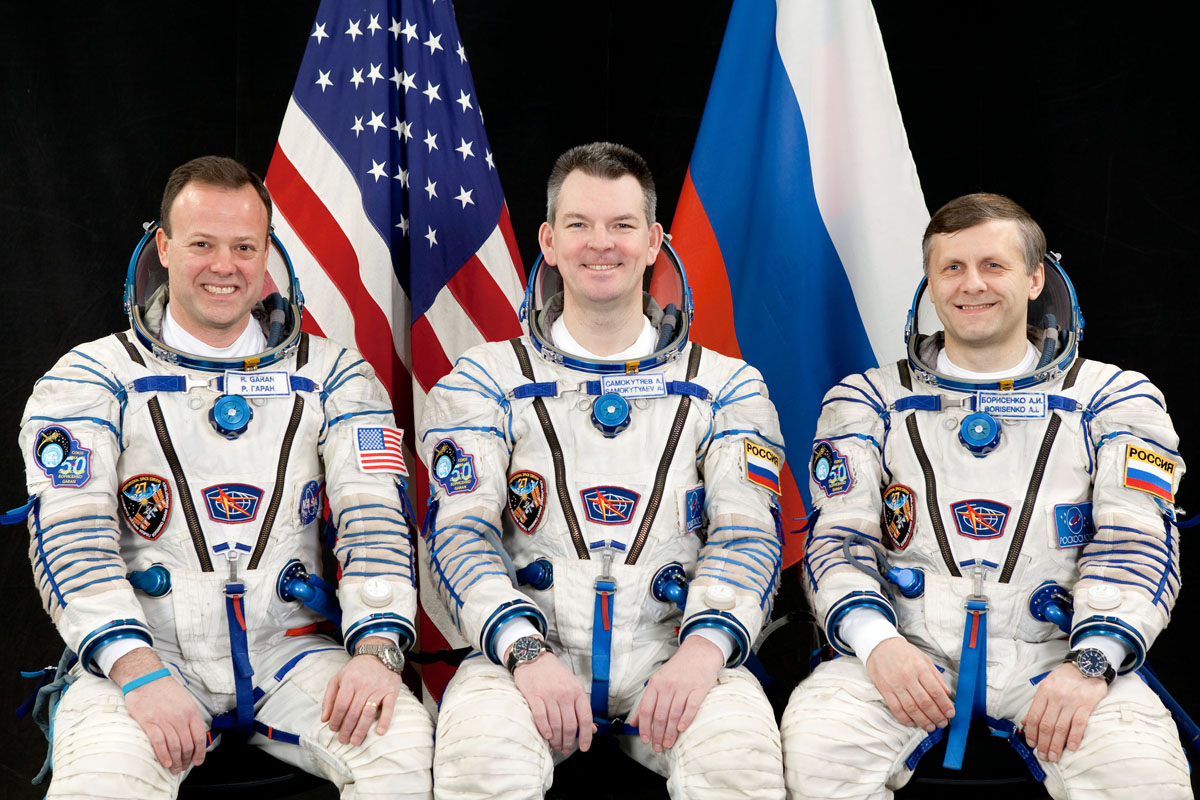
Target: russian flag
801	218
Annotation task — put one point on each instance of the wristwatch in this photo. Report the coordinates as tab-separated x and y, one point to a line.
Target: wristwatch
1092	663
389	654
524	650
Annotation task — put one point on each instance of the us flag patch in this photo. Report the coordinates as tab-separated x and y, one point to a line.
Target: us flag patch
379	449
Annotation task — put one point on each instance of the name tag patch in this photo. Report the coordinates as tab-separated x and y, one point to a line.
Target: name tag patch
1073	523
232	503
1012	405
453	469
830	470
980	519
762	466
899	514
652	384
609	505
526	499
257	384
146	504
66	463
1149	472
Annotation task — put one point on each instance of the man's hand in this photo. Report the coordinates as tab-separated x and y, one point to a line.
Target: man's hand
361	692
910	684
164	709
1061	708
675	690
560	707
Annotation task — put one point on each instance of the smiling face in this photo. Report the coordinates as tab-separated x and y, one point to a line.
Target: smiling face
980	286
601	243
215	258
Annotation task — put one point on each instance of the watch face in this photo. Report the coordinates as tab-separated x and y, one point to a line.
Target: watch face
1091	662
391	658
526	649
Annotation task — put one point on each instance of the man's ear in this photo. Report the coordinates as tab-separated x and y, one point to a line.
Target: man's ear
656	240
546	242
1038	281
160	242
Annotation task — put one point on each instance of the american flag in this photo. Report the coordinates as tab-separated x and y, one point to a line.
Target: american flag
387	198
379	449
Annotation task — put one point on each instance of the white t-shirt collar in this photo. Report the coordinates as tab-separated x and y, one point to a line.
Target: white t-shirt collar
250	343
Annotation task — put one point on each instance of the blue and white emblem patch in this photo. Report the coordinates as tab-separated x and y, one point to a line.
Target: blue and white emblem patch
980	519
609	505
453	469
310	502
232	503
1073	523
693	506
66	463
830	470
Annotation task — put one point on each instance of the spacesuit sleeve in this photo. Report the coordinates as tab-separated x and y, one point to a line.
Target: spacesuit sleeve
848	453
377	588
71	440
1129	572
468	414
737	572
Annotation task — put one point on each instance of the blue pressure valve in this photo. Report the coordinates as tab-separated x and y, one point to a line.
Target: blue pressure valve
539	574
980	434
610	414
154	582
670	585
230	415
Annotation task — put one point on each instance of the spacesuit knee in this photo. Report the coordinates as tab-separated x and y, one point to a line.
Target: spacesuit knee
840	740
731	749
487	744
1130	749
99	751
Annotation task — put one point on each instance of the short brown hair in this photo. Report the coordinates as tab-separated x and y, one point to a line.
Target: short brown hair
214	171
973	209
601	160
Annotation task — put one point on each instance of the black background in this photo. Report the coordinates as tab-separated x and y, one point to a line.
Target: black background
1084	112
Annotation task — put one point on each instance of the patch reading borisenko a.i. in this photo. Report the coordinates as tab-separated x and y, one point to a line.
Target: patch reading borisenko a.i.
1149	472
526	499
66	463
830	469
146	504
899	514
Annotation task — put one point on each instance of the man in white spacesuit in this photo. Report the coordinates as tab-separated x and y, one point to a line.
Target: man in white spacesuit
1007	487
177	473
580	475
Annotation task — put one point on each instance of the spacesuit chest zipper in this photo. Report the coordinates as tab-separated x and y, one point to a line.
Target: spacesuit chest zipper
285	450
931	500
181	484
664	463
1035	483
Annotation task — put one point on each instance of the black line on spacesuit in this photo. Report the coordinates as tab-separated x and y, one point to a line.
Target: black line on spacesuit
905	375
664	463
931	501
1035	483
560	464
285	451
181	485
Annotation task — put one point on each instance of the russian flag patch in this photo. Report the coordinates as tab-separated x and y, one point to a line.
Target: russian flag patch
1147	471
762	466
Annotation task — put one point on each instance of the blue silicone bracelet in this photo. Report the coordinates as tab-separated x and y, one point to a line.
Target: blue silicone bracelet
149	677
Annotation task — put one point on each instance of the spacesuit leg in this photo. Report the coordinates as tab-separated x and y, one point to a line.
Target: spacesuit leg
730	751
839	738
1130	750
394	765
100	751
487	744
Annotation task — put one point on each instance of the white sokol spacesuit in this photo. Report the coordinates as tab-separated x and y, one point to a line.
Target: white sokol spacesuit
1005	494
561	488
132	473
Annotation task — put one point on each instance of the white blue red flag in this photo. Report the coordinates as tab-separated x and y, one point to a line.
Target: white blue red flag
380	449
388	200
801	217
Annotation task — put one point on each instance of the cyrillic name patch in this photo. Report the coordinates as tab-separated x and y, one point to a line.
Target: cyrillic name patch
454	469
899	518
257	384
310	502
1149	472
146	504
380	449
649	384
66	463
232	503
980	519
1012	405
762	466
526	499
609	505
831	470
1073	523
